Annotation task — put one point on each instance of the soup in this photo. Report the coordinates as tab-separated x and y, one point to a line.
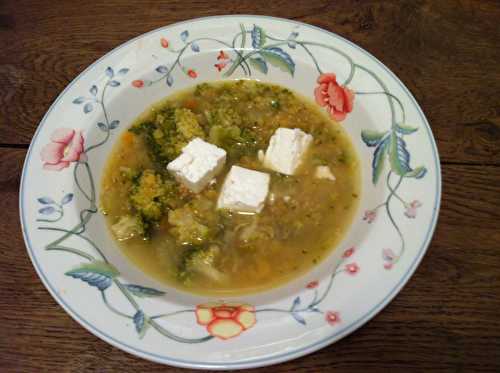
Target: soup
193	238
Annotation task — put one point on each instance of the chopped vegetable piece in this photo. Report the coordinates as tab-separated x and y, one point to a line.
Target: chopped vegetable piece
186	229
200	261
127	227
151	195
187	124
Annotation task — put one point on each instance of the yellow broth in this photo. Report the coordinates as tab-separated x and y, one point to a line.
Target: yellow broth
304	217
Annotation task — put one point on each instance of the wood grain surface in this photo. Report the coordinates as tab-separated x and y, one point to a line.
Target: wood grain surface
448	54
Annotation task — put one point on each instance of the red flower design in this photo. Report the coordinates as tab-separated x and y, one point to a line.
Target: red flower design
66	146
192	74
348	252
337	99
370	216
352	268
138	83
312	285
222	56
220	65
164	42
332	317
225	320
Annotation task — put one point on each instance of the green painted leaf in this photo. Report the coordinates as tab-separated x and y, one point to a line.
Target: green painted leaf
399	156
405	129
417	173
259	64
141	323
279	58
379	159
143	292
100	267
98	274
372	138
258	37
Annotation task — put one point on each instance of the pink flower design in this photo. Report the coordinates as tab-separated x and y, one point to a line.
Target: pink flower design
312	285
337	99
332	317
66	146
352	268
388	255
192	74
370	216
164	42
225	320
411	209
348	253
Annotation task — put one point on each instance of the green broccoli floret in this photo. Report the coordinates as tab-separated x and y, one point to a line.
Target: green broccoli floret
159	148
235	141
130	174
168	133
148	195
200	261
187	124
151	195
203	90
225	115
224	136
127	227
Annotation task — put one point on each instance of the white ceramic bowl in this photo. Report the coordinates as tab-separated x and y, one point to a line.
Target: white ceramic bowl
79	263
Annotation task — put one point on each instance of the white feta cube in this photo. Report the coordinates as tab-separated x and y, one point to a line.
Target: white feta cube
324	172
244	190
198	164
286	150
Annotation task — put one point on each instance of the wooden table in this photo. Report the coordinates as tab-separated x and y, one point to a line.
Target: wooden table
446	52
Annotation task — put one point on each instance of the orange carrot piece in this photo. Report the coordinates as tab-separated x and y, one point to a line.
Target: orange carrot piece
128	138
191	104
